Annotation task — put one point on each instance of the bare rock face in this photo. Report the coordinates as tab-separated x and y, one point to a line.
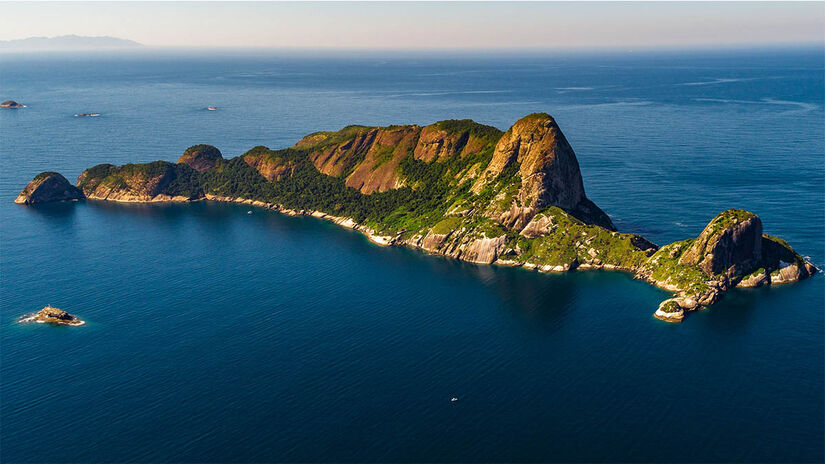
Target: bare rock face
48	187
379	170
731	244
333	157
549	172
201	157
270	164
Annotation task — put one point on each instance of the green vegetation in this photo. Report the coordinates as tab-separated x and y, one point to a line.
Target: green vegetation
775	249
446	225
727	219
381	156
664	267
44	175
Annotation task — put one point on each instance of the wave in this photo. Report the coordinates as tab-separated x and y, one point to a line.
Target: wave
803	107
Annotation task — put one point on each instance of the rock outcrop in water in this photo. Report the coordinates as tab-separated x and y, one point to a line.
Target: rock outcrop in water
730	252
11	104
48	187
467	191
52	315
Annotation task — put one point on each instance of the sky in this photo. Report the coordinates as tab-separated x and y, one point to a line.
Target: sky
427	25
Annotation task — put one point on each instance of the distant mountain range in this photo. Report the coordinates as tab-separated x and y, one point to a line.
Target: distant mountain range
67	43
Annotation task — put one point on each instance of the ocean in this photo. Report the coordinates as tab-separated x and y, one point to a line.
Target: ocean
213	335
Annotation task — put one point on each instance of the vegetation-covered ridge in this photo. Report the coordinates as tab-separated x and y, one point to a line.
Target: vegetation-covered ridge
465	190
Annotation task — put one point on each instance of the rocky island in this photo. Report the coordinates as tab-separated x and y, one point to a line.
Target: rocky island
464	190
48	187
52	315
11	104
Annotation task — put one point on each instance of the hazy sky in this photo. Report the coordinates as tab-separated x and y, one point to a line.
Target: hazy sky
423	25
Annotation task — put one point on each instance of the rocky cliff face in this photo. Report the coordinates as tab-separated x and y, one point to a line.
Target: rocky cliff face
368	158
731	244
48	187
157	181
548	169
273	165
201	157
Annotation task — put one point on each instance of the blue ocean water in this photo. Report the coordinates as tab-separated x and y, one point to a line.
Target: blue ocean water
216	335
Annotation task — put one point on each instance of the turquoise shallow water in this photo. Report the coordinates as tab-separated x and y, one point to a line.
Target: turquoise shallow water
216	335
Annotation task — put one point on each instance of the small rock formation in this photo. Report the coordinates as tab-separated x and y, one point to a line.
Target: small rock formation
201	157
48	187
11	104
670	311
54	316
730	252
731	244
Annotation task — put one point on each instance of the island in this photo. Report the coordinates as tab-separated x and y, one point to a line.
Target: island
48	187
53	315
11	104
468	191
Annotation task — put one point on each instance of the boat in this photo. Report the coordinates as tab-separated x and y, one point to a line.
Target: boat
83	115
212	108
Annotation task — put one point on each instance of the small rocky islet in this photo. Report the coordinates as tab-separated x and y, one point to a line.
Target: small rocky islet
459	189
11	104
52	315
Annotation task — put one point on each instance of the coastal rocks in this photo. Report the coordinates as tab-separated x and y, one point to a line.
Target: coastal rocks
52	315
730	244
11	104
201	157
756	279
670	311
484	250
48	187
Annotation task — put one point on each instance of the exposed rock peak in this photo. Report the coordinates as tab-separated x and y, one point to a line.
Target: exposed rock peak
48	187
201	157
730	244
549	172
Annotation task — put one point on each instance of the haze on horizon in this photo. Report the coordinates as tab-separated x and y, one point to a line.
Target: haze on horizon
429	25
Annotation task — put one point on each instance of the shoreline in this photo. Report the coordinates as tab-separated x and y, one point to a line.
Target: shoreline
389	240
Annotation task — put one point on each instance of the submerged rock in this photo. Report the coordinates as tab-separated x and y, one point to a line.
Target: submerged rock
48	187
54	316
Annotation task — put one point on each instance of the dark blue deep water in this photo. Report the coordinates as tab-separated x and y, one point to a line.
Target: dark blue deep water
215	335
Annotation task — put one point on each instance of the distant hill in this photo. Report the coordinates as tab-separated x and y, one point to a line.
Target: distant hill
67	43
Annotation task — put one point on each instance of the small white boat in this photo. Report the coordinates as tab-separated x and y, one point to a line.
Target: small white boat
249	212
453	399
212	108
